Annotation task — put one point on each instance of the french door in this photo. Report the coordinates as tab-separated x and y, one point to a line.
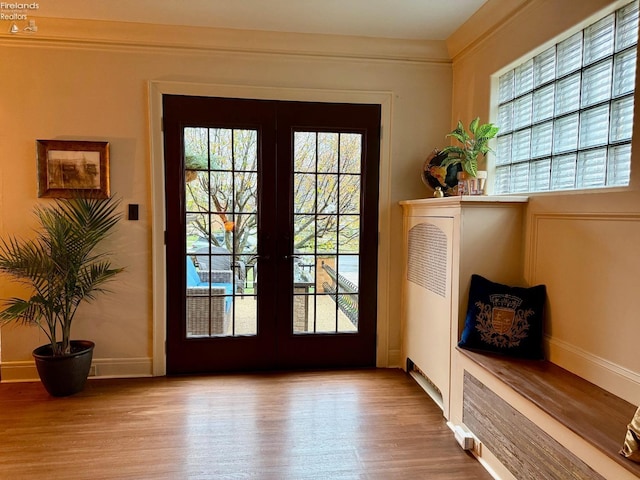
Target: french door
271	233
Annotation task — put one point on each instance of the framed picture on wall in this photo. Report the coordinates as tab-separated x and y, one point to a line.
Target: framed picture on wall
68	168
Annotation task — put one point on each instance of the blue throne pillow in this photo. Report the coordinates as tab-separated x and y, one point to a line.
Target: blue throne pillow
504	319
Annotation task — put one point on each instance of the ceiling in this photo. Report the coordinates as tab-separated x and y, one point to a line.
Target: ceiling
408	19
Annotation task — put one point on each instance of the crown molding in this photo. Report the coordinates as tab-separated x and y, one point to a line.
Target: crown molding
72	33
487	19
497	15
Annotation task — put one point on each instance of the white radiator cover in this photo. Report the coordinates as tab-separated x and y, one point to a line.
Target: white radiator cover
428	299
446	241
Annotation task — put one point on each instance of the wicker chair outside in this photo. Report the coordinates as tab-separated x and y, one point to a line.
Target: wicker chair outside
216	276
206	312
219	259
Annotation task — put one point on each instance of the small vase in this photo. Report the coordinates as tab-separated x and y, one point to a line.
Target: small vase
481	180
464	183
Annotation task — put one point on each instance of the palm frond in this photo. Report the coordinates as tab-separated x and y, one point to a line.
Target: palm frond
25	311
61	265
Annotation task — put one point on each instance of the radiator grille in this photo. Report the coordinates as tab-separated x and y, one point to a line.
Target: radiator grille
427	258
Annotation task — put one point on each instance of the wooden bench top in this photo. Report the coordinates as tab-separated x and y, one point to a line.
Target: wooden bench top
591	412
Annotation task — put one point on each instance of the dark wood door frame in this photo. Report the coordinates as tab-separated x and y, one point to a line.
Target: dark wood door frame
347	348
291	348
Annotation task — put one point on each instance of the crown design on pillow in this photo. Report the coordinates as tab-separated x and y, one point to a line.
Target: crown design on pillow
500	323
504	319
508	302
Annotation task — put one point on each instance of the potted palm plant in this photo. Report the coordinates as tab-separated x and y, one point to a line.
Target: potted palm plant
474	144
62	268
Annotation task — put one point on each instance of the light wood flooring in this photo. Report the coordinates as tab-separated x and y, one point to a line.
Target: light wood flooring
363	424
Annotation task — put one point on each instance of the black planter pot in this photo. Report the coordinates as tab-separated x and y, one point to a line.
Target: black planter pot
66	374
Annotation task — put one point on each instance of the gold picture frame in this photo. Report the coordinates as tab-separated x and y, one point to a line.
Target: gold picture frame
70	168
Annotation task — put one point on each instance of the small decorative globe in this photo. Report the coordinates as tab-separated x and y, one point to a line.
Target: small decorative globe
433	175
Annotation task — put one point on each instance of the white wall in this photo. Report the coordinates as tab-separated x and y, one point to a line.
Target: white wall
89	81
582	245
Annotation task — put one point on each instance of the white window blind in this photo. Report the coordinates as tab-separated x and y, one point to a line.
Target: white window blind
566	115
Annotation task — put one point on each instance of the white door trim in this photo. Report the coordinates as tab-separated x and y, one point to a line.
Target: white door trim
158	88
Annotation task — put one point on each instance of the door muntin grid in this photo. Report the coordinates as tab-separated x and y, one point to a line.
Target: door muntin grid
221	208
326	224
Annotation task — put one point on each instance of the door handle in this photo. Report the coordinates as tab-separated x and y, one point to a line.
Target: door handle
257	257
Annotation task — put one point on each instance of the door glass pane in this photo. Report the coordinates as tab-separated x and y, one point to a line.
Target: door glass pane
327	225
305	151
304	239
245	150
245	190
327	234
220	150
304	189
348	270
327	154
222	241
350	152
349	194
246	244
195	148
327	193
349	234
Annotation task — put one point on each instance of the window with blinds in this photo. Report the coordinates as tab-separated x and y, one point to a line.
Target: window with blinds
566	115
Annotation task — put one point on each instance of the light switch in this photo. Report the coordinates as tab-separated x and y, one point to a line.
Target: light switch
133	211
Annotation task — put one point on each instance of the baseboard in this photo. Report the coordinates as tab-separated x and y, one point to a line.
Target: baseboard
25	371
395	359
18	372
614	378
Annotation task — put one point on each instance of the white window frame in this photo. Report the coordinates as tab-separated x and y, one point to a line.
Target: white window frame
528	143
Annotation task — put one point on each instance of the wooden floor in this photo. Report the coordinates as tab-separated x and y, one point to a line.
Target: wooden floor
366	424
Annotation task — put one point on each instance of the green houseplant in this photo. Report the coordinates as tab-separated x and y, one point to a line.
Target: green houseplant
63	268
474	143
